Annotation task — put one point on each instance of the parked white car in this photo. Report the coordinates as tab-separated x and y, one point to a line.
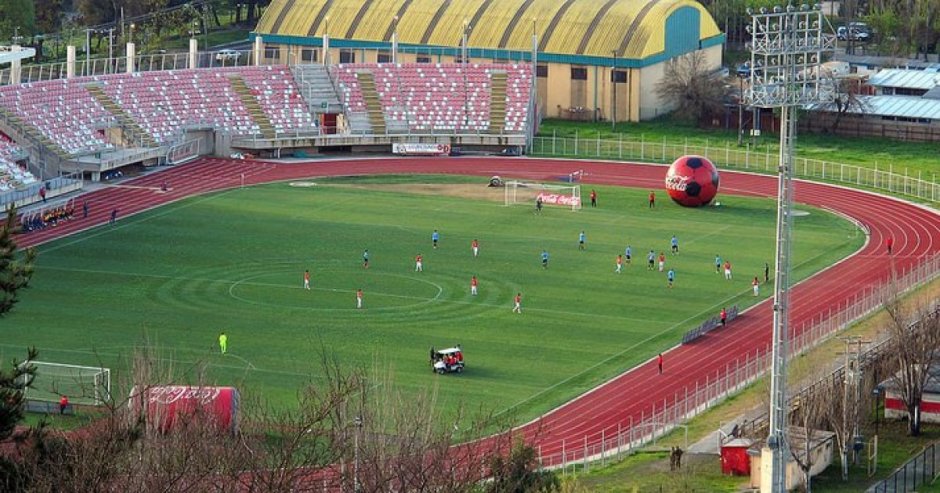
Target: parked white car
228	56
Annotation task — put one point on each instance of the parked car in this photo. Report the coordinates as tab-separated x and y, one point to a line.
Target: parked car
228	56
856	31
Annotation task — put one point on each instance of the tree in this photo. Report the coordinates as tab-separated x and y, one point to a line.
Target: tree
16	15
519	472
12	386
14	274
915	351
847	98
49	15
691	88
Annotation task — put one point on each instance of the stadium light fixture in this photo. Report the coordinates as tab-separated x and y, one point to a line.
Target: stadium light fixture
786	46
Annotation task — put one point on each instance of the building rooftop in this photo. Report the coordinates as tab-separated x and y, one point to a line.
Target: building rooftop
908	79
896	106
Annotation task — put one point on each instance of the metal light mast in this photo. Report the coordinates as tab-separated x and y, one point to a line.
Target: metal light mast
787	44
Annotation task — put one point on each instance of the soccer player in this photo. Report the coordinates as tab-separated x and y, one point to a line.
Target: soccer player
419	263
650	259
365	258
306	279
593	198
755	284
538	205
359	298
473	285
890	244
628	253
223	342
581	239
517	303
671	277
619	264
84	209
662	261
724	316
544	259
727	270
652	199
659	363
674	242
766	272
717	264
475	247
113	216
434	237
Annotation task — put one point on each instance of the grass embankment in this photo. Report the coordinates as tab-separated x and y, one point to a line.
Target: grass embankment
898	156
650	470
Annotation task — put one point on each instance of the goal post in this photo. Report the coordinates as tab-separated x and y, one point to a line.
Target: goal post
521	192
85	385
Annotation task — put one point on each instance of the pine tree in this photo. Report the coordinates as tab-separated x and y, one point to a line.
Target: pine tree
14	274
12	398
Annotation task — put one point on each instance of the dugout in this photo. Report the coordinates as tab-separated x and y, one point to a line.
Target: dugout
596	59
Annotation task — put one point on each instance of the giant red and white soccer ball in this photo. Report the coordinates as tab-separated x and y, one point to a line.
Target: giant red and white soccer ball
692	181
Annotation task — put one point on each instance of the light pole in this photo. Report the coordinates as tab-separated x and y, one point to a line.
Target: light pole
464	41
111	49
357	487
395	40
785	43
613	91
87	51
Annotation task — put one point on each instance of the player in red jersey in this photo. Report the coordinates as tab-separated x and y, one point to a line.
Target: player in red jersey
306	279
517	303
359	298
473	285
475	247
419	263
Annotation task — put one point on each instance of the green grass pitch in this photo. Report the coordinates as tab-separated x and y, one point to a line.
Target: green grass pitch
233	261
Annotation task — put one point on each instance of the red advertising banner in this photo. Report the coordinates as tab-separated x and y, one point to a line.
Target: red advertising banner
167	405
559	199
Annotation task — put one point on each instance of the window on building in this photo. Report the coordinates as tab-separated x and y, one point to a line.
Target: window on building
383	57
578	73
308	55
423	59
541	71
618	77
272	52
347	56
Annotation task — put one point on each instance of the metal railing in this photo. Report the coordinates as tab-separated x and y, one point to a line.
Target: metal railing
920	470
662	417
662	151
142	63
29	194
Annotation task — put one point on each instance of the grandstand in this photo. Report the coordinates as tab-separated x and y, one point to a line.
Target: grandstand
595	60
12	176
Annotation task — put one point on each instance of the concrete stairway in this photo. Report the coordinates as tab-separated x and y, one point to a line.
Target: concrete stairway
135	136
373	104
497	103
316	87
254	108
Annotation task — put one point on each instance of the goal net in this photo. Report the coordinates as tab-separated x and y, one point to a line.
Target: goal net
520	192
87	385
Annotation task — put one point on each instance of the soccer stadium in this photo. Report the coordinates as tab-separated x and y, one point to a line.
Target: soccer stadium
342	258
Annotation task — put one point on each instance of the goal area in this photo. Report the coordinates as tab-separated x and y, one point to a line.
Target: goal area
85	385
522	192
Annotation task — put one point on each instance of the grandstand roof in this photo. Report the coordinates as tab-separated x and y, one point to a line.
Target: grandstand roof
627	29
908	79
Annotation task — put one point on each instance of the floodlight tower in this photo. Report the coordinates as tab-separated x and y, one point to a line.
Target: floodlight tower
787	45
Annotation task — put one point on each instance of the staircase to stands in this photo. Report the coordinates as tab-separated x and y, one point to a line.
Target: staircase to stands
134	132
254	108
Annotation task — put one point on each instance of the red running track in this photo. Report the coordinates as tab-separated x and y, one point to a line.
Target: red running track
623	400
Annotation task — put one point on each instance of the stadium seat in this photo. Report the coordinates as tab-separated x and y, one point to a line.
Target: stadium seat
12	176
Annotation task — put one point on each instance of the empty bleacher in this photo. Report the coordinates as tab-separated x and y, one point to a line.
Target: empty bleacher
72	115
12	176
439	98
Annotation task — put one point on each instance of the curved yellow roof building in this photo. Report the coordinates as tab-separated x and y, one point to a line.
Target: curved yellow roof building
636	32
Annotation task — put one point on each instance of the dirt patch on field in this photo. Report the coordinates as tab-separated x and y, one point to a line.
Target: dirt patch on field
464	191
